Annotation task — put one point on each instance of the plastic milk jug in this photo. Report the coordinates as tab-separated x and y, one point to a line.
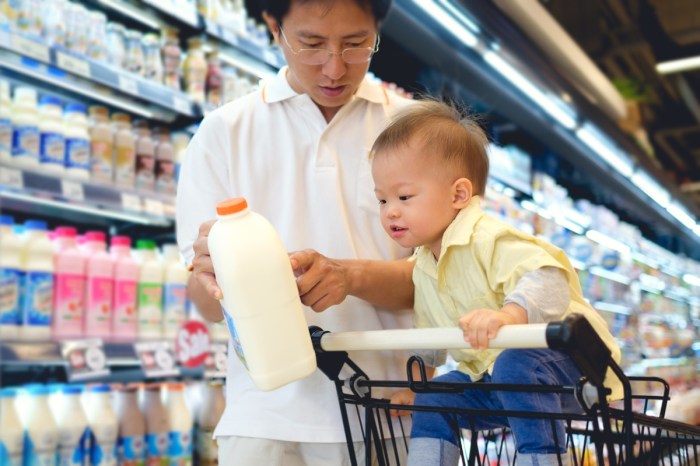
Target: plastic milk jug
131	447
69	293
10	279
41	434
181	423
73	431
37	260
157	426
99	273
25	127
126	272
208	416
150	291
260	298
103	427
11	430
174	291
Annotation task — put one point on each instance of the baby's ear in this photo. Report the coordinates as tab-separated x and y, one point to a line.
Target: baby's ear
461	193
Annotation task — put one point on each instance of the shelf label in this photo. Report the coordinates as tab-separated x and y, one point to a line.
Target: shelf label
154	207
72	64
29	48
85	359
131	202
72	190
157	358
128	85
182	105
216	362
192	344
11	178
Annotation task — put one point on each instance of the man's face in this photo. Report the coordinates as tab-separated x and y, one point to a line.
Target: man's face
332	25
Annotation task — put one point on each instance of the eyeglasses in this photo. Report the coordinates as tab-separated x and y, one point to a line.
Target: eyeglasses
351	56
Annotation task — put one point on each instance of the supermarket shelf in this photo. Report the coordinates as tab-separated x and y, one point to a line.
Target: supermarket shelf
54	195
181	11
263	55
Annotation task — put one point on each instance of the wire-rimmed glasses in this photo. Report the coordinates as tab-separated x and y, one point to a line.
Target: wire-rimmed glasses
351	56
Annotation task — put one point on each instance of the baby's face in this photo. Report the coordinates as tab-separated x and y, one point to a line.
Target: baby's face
415	196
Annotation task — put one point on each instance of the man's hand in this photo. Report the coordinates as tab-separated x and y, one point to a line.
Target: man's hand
202	266
322	282
481	325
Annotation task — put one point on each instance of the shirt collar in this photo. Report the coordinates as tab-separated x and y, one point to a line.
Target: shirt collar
461	229
278	89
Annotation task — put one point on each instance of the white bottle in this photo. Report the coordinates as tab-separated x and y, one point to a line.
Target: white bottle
181	424
5	121
103	427
11	430
208	416
10	279
73	431
75	127
25	127
52	143
41	438
174	290
150	291
260	298
37	261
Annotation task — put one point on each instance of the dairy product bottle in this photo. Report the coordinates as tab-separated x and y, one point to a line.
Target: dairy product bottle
101	145
25	127
131	446
37	261
41	433
157	426
260	298
73	431
165	162
124	150
181	424
126	272
10	279
52	143
145	157
5	121
103	427
99	275
174	290
211	408
150	291
69	292
11	430
75	127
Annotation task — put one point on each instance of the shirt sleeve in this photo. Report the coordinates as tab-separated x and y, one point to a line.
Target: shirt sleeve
544	293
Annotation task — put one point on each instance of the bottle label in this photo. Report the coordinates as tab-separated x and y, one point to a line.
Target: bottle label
11	450
132	451
25	141
98	317
206	445
174	300
180	448
78	153
103	453
157	449
41	453
102	166
52	148
145	171
150	311
9	296
237	347
71	451
38	302
5	138
124	166
125	307
165	176
70	304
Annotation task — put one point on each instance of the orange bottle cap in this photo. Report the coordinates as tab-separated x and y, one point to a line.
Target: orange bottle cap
231	206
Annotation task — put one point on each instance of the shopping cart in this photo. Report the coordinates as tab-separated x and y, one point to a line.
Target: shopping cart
619	433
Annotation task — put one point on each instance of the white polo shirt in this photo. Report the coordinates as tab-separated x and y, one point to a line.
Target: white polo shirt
311	179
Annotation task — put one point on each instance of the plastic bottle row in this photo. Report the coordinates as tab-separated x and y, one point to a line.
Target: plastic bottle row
53	286
105	426
87	143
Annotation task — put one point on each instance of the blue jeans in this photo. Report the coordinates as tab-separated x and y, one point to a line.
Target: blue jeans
514	366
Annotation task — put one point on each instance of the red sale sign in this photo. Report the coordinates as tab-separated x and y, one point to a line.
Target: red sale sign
192	344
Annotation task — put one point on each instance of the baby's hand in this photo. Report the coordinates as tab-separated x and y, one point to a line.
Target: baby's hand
402	397
481	325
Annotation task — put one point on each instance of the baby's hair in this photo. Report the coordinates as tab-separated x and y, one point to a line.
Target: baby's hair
445	131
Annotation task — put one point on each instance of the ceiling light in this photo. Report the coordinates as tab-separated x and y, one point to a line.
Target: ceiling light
449	22
682	215
676	66
651	188
605	148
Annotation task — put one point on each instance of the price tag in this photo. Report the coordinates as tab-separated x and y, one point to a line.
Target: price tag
157	358
72	190
128	85
154	207
217	361
131	202
85	359
72	64
192	344
31	49
182	105
11	178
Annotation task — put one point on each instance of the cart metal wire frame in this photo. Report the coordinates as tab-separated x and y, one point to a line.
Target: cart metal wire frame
602	434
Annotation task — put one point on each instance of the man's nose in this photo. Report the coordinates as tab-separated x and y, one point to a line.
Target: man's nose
335	68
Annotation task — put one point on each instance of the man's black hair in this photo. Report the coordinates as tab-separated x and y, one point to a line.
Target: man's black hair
278	9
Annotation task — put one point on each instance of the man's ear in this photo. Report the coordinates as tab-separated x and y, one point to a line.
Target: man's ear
272	25
461	192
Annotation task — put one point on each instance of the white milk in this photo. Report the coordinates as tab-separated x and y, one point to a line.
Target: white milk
211	408
181	424
150	290
11	430
37	262
41	434
174	290
73	431
261	302
103	427
25	127
10	279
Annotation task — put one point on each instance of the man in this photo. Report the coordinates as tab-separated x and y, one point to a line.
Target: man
297	150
